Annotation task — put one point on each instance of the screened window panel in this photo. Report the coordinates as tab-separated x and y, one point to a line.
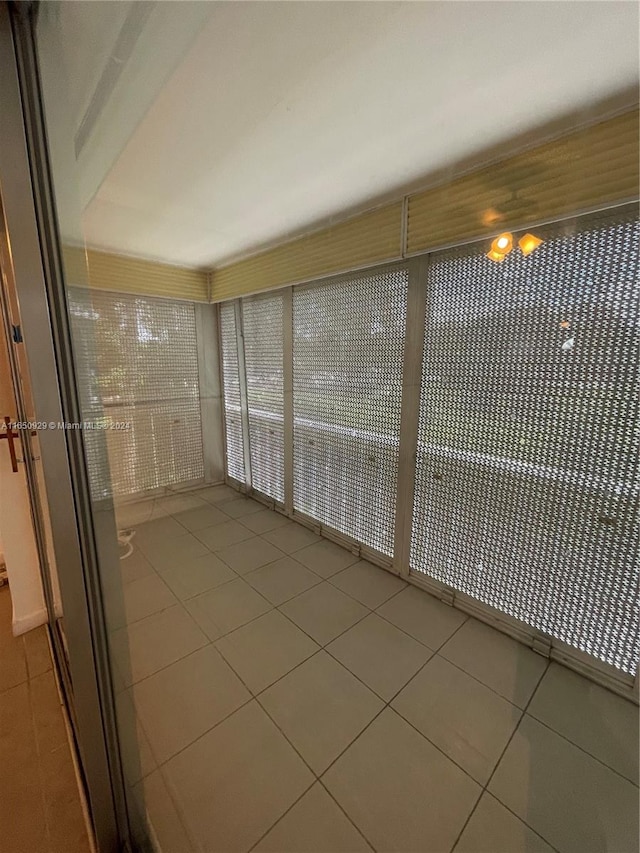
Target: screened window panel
526	480
263	353
83	319
348	349
137	365
231	382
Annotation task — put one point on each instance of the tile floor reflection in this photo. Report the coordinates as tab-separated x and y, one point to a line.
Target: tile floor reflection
289	696
40	806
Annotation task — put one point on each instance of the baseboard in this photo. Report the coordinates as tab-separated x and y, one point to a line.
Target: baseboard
29	622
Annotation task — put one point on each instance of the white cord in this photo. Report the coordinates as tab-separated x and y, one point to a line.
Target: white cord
125	536
124	539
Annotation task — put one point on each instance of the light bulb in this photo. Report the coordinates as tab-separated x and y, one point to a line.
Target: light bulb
503	243
529	243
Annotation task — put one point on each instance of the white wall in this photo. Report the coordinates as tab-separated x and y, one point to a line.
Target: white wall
19	546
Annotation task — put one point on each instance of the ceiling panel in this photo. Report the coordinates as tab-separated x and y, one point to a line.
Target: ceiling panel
278	115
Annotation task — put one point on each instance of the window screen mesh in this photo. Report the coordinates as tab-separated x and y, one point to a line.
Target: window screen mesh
348	353
137	364
263	353
231	381
526	480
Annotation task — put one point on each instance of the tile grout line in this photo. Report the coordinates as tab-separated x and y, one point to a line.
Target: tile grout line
321	648
36	743
174	517
328	580
475	678
318	778
160	764
530	828
526	712
523	712
283	815
13	686
180	603
435	652
204	591
252	698
195	845
256	696
582	749
366	840
132	684
36	740
386	704
513	734
485	788
189	493
284	554
465	616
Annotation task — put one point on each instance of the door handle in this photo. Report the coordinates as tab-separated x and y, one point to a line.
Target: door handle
10	435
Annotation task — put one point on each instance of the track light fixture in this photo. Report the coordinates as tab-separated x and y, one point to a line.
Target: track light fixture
495	256
503	244
528	243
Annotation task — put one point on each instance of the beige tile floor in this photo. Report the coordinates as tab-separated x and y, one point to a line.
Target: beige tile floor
40	809
291	697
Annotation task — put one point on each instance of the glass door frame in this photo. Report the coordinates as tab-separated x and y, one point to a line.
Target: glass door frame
36	268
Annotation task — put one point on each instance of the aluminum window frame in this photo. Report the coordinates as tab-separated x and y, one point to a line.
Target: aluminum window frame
122	479
417	264
246	387
37	266
229	478
356	546
599	671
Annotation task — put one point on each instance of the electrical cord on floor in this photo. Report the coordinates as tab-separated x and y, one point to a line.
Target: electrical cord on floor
124	539
125	536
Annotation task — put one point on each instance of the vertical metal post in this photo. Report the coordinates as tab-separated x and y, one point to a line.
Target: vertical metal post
287	350
225	456
411	381
37	272
244	405
210	392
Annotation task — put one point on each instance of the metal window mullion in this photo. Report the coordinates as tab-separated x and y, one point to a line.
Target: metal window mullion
411	383
287	333
211	417
234	452
223	393
244	403
225	442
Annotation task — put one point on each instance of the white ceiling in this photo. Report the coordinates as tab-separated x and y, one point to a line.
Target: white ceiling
234	124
